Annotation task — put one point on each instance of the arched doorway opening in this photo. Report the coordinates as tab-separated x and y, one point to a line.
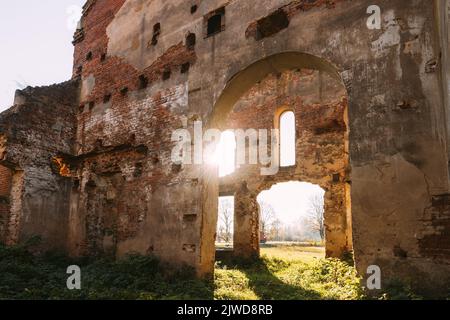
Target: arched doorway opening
293	95
225	224
292	213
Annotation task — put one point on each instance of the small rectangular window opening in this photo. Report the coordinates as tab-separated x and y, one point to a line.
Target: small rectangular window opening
215	22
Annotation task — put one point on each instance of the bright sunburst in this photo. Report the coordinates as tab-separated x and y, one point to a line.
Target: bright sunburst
225	156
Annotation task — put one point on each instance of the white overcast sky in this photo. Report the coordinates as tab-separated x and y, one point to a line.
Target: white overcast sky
35	44
291	200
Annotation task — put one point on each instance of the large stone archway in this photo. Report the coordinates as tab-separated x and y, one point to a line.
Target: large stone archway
117	131
311	87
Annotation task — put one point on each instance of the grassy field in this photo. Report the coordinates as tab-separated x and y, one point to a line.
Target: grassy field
293	252
285	272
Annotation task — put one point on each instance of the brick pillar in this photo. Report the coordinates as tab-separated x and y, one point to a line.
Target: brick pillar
5	191
246	224
336	222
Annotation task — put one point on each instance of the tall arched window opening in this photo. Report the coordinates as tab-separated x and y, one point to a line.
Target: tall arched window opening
287	139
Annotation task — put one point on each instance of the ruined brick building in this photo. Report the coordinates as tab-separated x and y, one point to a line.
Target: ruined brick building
87	164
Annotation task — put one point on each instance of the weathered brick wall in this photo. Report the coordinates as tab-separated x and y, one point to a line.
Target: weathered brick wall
435	236
126	178
397	142
112	75
39	127
5	181
5	189
113	188
92	37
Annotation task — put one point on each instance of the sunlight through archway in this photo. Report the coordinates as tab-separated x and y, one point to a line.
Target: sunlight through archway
292	212
226	153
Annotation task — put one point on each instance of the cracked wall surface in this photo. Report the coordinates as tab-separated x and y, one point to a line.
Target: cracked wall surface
140	81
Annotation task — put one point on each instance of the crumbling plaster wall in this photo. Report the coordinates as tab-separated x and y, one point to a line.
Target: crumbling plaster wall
397	139
443	25
319	103
40	126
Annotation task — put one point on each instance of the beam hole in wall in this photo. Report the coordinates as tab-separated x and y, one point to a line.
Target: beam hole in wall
272	24
156	34
138	169
166	74
191	41
177	168
185	67
143	82
107	98
124	91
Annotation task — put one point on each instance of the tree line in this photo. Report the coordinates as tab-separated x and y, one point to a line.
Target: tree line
308	227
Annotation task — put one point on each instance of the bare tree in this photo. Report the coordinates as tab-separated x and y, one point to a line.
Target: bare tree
315	216
267	218
275	230
226	209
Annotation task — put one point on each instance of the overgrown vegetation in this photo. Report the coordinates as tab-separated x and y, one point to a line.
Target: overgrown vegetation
282	279
278	275
27	276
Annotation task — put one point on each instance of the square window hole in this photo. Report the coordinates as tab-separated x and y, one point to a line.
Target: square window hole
215	22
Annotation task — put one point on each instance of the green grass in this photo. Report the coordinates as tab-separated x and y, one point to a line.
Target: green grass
25	276
296	272
273	278
293	252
